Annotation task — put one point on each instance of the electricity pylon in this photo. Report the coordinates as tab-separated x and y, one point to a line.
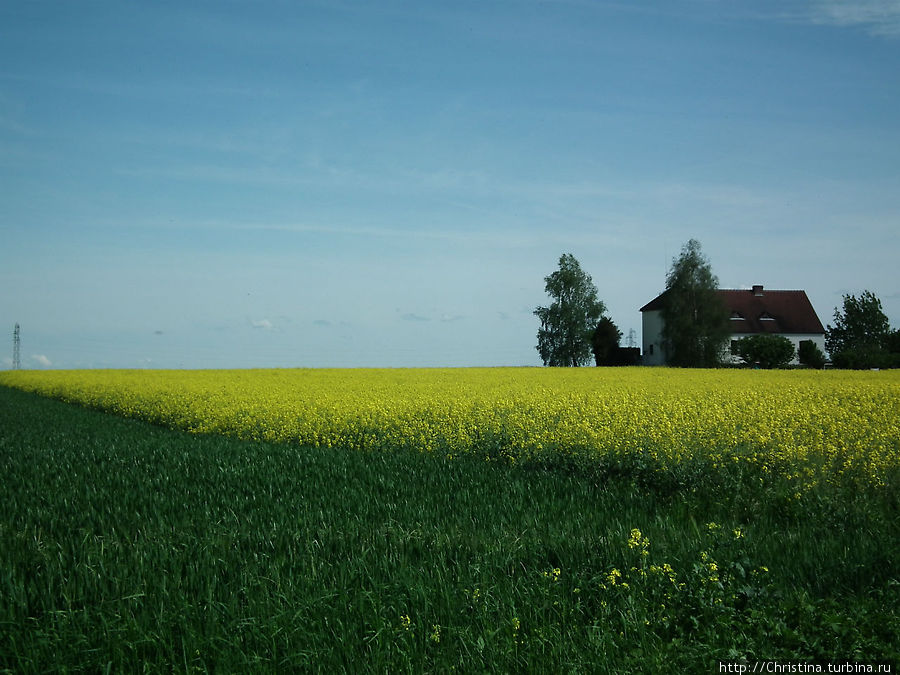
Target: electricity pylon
16	363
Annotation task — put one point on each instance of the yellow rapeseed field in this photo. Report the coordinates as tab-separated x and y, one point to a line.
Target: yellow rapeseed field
807	426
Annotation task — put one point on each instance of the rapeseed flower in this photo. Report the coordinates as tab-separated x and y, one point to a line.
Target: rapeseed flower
803	427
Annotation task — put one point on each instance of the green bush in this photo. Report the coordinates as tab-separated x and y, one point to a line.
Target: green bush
862	358
768	351
810	355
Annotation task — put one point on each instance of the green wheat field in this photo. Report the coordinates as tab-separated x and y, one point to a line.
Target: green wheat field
130	546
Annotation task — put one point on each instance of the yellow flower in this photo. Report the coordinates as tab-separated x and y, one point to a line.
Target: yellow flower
809	428
638	540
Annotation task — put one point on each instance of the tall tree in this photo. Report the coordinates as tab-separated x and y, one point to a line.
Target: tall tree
861	324
695	320
861	335
564	338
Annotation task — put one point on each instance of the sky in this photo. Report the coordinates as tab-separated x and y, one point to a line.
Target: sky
386	183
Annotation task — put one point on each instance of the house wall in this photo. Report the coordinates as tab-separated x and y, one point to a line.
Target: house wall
651	338
795	338
652	324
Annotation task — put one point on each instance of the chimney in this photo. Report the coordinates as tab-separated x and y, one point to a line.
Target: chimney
757	290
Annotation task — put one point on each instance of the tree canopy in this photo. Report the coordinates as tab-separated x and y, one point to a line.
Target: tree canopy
861	336
564	338
695	321
862	323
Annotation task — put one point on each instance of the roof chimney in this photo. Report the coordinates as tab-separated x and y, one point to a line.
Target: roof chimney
757	290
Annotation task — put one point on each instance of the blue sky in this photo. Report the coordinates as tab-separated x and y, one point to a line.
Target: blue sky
387	183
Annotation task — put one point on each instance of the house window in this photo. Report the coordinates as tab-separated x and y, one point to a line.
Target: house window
736	316
765	316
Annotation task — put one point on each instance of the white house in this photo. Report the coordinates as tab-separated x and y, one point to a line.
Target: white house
754	311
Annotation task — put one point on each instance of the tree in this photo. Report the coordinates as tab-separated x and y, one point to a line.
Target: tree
809	355
892	342
862	326
769	351
695	320
564	338
605	342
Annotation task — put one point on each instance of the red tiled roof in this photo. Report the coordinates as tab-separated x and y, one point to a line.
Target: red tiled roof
762	311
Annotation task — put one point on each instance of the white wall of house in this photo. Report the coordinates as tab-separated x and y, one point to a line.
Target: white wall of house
795	338
651	329
651	338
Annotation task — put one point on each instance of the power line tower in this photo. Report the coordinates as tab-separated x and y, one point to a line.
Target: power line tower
16	363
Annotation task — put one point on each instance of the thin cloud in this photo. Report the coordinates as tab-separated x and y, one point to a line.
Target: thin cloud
265	324
414	317
878	17
437	234
41	360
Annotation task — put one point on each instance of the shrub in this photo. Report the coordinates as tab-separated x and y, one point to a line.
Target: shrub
862	358
810	355
769	351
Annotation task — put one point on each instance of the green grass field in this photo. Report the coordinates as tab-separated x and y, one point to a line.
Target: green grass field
127	547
